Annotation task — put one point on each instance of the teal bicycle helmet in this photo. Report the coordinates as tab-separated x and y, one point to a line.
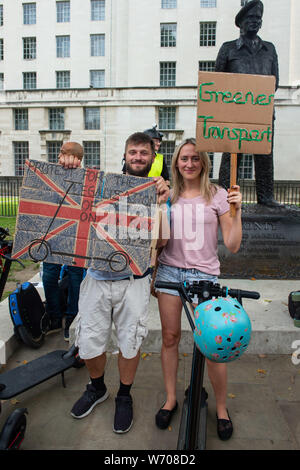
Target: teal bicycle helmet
222	329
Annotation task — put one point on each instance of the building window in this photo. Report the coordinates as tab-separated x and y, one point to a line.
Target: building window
168	34
211	157
21	119
29	48
207	65
63	12
169	3
1	50
97	10
246	167
29	13
62	46
97	45
21	153
29	80
53	150
97	78
167	149
167	117
92	118
1	15
167	73
92	154
56	119
208	33
1	81
63	79
208	3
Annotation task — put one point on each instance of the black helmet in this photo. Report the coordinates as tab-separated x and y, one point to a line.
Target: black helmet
154	133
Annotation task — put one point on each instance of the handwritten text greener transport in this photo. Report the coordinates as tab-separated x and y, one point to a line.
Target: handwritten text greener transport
206	94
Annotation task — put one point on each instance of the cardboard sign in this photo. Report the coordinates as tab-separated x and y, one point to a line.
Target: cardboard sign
235	112
85	218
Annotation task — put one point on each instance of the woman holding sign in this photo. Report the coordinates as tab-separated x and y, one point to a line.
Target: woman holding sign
198	209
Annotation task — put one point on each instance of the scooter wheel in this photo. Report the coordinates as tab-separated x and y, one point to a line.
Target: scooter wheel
28	339
13	431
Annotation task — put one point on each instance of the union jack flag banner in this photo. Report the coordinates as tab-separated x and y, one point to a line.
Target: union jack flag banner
85	218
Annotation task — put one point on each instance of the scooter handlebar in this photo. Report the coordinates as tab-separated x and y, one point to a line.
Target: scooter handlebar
244	293
209	288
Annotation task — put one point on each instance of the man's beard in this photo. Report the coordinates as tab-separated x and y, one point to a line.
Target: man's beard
142	172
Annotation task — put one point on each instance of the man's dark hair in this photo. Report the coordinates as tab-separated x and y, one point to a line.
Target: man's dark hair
140	138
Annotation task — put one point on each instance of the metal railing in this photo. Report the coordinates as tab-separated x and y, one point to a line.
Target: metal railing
9	195
285	192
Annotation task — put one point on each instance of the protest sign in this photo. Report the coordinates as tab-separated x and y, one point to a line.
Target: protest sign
235	113
85	218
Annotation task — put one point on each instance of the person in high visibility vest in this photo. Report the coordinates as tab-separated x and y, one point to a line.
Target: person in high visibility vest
159	166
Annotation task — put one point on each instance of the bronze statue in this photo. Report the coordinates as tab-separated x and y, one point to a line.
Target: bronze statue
251	55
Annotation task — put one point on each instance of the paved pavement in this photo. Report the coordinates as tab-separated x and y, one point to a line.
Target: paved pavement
263	390
263	401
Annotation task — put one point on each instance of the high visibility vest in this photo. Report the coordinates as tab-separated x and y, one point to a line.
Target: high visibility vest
157	165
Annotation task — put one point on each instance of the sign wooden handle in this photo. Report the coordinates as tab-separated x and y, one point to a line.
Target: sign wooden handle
233	175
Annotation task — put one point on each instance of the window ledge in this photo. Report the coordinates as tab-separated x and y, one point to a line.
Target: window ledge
55	131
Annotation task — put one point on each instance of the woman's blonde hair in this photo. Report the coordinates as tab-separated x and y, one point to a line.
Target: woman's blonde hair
207	189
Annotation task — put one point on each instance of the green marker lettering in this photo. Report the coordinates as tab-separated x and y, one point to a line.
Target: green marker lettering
252	97
260	100
269	134
240	134
270	98
214	132
208	92
241	138
205	118
256	137
227	94
235	133
237	97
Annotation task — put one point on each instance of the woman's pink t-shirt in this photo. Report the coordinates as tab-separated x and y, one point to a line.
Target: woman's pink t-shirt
194	233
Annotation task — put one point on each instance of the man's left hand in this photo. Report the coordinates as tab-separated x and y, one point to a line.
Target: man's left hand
69	161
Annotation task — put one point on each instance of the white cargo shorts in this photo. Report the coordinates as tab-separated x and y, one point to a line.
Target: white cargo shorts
102	303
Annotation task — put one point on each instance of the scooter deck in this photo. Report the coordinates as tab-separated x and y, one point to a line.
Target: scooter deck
22	378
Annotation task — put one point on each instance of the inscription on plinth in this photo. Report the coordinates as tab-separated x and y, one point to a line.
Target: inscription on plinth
270	246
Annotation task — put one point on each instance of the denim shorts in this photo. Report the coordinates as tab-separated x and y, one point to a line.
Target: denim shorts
172	274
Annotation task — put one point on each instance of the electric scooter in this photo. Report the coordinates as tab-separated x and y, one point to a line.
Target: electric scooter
192	431
27	376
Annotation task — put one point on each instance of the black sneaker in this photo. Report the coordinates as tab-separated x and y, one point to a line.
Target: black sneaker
55	326
123	415
68	323
88	401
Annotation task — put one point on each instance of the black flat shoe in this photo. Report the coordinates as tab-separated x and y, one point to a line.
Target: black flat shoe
224	428
163	417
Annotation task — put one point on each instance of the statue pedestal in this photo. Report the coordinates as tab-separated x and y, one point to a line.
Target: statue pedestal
270	246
